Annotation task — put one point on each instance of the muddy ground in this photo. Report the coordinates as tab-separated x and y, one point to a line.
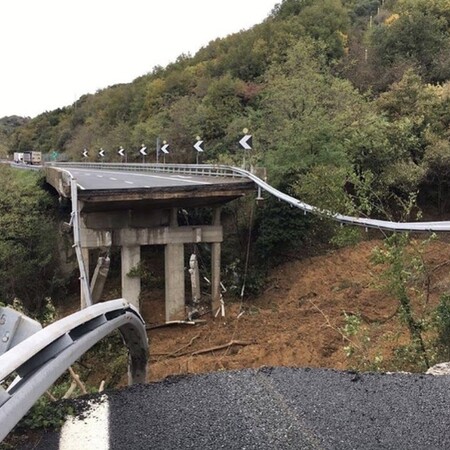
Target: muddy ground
299	318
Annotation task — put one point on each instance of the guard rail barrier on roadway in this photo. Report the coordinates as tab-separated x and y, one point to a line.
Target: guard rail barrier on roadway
43	357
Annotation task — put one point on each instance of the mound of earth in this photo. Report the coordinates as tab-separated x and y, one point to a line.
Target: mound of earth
298	320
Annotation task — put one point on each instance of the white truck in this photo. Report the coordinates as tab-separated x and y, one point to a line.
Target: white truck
18	157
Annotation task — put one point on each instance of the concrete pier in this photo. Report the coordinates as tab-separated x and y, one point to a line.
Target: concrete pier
174	282
131	285
130	230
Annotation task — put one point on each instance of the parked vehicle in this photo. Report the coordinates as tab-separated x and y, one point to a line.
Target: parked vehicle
18	157
33	158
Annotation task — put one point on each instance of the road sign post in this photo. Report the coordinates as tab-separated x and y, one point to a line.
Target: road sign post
122	154
165	150
143	152
199	147
246	143
158	149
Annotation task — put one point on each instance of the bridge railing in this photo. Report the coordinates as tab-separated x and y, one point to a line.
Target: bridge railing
205	170
43	357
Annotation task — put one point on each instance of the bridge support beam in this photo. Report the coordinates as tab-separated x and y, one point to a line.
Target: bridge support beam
131	285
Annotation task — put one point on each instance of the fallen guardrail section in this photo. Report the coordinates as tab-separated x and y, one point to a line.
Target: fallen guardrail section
39	358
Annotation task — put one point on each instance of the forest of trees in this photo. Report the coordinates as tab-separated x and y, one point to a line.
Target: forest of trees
348	102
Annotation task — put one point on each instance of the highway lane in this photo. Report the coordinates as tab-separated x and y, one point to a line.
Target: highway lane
90	179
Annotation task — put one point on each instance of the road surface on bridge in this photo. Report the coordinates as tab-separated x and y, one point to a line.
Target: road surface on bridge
91	179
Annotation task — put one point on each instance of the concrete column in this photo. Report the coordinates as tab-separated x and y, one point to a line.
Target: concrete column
85	255
174	277
131	286
215	266
99	278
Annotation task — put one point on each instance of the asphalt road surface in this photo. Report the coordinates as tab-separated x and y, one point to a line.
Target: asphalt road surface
280	408
91	179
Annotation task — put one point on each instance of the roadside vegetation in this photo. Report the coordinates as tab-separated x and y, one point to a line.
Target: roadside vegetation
29	256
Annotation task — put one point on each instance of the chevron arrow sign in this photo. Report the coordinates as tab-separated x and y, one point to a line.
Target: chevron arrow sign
199	146
246	142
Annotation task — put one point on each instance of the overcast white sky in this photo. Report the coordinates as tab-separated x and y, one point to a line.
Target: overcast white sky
55	51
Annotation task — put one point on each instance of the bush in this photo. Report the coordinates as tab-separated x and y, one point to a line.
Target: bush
28	244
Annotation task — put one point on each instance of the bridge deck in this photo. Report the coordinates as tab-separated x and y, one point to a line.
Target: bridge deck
116	189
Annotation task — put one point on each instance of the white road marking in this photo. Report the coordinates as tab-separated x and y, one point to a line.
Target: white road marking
113	179
171	178
91	432
81	187
99	176
129	182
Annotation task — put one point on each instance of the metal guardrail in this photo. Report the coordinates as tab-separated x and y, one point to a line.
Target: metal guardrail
229	171
24	166
201	170
75	219
439	226
40	359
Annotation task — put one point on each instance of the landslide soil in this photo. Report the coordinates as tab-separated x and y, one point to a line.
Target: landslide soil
297	320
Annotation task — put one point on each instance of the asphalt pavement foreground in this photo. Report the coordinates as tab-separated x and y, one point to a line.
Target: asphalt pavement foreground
270	408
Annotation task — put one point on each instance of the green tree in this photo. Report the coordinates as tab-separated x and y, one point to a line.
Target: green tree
404	270
327	21
437	164
305	114
28	251
420	37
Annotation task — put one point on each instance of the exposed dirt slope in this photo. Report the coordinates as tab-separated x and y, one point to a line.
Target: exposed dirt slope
296	321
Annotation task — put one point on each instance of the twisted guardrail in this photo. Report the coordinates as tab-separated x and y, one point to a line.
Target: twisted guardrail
230	171
45	355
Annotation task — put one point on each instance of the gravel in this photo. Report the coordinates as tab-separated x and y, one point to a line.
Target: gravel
282	408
